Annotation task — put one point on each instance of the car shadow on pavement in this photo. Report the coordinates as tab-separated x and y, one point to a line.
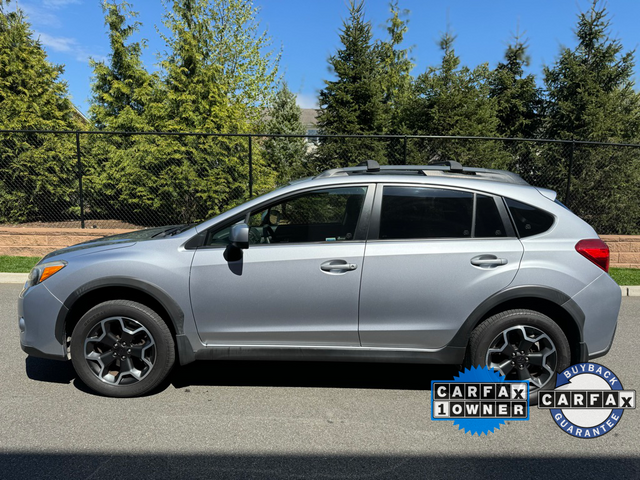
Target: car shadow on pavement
311	374
52	371
392	376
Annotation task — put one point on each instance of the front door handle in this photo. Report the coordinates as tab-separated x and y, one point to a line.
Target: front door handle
333	265
488	261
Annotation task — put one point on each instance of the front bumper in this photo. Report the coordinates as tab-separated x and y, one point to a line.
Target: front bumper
38	311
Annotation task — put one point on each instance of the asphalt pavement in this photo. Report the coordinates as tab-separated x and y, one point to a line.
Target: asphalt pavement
248	420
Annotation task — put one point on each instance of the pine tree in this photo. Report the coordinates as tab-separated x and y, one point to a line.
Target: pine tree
216	78
519	107
121	88
352	103
32	96
591	96
285	155
518	100
454	100
395	69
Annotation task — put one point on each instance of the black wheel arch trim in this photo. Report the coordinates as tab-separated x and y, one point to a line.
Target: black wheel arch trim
176	315
557	297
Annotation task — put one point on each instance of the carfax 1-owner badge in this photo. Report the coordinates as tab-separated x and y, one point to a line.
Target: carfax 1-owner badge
588	400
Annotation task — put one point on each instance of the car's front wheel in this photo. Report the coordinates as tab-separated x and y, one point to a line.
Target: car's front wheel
122	348
522	345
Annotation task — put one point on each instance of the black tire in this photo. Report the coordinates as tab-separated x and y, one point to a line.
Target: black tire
503	331
122	348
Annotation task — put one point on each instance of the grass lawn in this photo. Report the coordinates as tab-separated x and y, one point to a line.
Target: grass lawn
624	276
17	264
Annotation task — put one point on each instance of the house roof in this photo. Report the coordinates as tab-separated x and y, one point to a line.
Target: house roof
309	117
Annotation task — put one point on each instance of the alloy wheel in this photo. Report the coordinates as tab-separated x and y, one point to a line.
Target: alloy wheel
523	352
120	351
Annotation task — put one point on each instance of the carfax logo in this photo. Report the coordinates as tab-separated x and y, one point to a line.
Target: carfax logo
479	400
588	400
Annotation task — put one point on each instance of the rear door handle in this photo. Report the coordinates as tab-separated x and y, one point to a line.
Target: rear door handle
488	261
333	265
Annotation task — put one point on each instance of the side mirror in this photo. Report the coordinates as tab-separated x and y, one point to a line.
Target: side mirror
239	236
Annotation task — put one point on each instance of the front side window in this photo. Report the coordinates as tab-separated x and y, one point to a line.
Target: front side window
418	212
328	215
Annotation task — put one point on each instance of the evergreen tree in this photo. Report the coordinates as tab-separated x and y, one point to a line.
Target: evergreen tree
518	100
352	103
395	69
519	105
216	78
285	155
454	100
591	96
121	88
32	96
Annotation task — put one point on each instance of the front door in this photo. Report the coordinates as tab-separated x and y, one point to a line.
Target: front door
298	282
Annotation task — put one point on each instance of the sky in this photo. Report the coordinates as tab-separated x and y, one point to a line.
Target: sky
307	33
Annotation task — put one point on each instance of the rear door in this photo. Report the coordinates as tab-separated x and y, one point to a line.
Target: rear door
433	255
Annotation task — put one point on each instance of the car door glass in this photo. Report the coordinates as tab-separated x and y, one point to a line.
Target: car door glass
328	215
488	219
419	212
220	237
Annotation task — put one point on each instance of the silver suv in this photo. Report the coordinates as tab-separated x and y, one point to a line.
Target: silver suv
423	264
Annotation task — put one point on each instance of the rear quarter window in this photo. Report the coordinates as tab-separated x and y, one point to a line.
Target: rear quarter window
529	220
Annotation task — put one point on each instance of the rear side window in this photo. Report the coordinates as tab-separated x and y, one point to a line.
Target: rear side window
417	212
488	219
529	220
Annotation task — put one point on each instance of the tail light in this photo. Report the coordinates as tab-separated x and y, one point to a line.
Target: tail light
595	250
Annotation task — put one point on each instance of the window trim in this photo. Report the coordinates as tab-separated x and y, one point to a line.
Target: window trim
374	224
362	226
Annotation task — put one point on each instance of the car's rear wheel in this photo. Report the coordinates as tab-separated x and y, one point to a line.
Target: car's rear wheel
522	345
122	348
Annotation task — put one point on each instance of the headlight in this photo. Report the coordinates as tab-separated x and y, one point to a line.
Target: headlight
41	272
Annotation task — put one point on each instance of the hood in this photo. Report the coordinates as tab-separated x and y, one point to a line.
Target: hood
121	240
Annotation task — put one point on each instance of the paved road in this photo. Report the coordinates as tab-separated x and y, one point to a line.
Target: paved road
270	420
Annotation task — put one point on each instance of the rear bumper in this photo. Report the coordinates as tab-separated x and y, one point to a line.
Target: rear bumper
600	301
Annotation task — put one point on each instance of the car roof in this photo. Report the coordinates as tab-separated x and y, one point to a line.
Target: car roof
493	182
446	169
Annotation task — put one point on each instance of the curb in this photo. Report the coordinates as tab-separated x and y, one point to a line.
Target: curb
630	291
13	277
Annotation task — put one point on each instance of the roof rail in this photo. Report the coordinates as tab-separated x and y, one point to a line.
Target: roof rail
372	165
453	165
443	168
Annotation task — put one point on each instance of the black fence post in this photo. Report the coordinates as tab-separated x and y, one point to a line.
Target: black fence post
250	167
404	153
569	171
80	172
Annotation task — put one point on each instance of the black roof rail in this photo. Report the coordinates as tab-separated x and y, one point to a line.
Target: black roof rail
454	166
372	165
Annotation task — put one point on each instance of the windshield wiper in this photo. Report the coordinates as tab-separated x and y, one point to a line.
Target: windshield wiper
173	230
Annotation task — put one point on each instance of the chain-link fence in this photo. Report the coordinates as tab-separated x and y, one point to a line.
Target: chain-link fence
141	179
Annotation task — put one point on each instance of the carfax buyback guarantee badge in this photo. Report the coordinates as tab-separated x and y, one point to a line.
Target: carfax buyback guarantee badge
479	400
588	400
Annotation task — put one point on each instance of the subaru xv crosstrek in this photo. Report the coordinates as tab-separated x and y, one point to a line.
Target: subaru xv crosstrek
416	264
